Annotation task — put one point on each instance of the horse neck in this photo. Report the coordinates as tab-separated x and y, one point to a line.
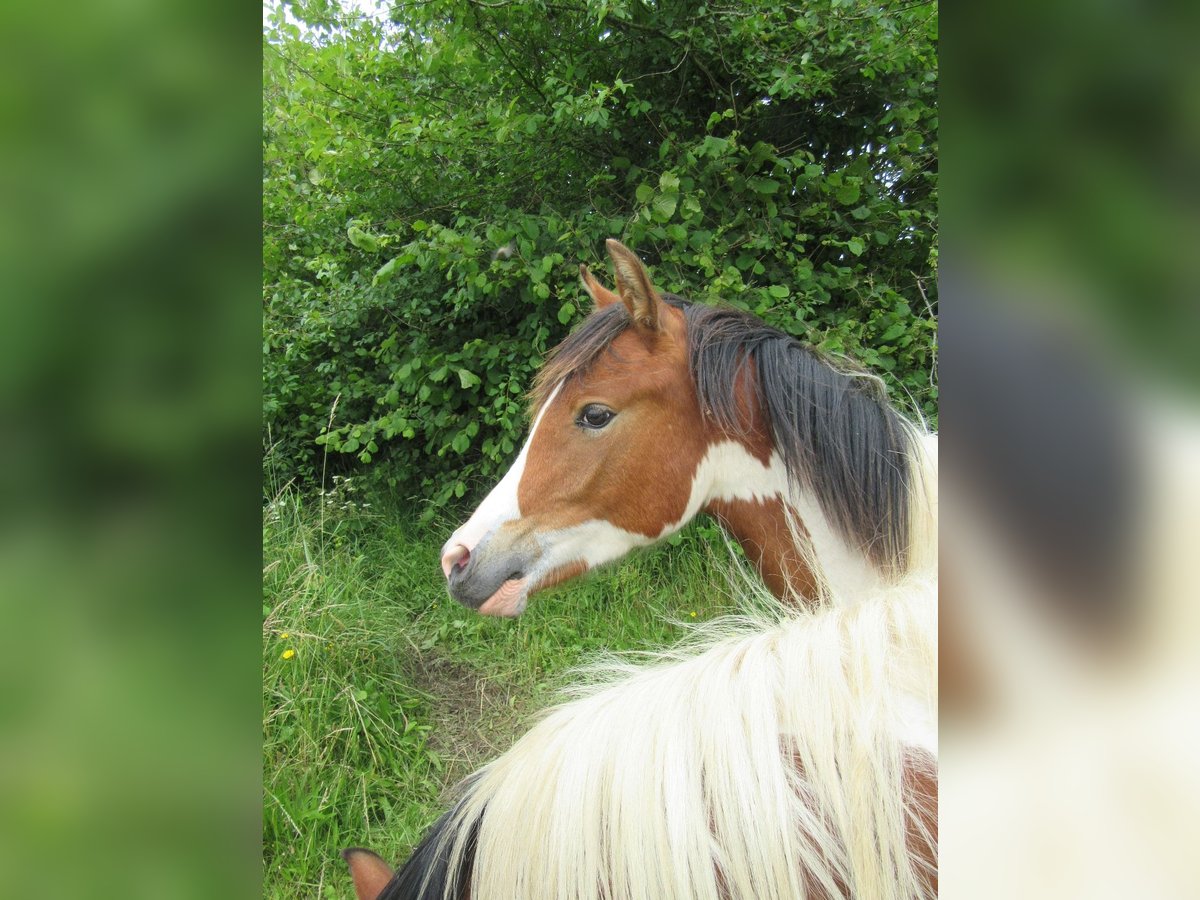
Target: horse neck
779	522
749	493
800	557
763	530
783	531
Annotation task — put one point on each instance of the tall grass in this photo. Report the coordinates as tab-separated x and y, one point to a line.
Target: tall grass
379	692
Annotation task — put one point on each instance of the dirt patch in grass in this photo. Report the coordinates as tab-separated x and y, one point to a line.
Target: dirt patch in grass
475	717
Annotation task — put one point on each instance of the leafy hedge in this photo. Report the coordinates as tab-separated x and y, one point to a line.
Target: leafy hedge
431	184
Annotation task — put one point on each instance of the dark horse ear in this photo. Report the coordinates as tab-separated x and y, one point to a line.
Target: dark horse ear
633	284
600	295
370	873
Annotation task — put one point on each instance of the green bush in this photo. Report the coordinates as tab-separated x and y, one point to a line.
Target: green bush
432	183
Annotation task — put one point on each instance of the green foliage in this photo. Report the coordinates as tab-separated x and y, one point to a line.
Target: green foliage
431	184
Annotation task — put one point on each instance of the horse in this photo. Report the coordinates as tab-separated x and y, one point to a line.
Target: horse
657	409
791	754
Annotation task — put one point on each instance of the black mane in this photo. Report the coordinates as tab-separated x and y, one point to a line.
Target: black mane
427	874
833	425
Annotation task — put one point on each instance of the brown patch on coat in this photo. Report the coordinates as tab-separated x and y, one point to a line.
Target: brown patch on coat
920	786
761	528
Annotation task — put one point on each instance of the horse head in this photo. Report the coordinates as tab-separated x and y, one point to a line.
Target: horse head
610	461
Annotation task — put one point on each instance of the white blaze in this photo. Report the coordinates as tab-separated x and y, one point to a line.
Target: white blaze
501	504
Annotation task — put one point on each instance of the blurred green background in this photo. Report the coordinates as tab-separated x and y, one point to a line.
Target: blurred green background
129	469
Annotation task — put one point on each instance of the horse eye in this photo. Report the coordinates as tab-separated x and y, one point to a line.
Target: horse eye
595	416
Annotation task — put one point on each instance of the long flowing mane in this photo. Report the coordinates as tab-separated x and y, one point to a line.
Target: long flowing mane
786	756
831	422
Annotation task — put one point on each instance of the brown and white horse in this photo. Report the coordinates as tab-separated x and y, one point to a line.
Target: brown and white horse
657	409
791	755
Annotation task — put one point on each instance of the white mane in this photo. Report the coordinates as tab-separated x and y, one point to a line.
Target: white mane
771	763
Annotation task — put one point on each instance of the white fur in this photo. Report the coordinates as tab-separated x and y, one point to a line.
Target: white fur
501	504
659	777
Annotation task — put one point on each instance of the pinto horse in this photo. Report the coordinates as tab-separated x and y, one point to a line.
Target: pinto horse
793	755
657	409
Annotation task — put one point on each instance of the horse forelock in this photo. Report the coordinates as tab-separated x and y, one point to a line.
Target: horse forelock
578	352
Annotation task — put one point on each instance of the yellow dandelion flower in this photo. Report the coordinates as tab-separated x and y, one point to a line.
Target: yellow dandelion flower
285	635
693	614
287	654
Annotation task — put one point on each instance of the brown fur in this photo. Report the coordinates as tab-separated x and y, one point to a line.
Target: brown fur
370	873
761	529
920	782
573	475
600	295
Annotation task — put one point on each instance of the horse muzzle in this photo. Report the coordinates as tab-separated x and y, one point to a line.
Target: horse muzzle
491	580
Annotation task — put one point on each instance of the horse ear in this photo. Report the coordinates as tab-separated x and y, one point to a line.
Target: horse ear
633	284
600	295
370	873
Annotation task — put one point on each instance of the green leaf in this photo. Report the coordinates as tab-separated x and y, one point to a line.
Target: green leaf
668	183
566	312
855	246
643	193
362	240
467	379
848	193
385	273
664	206
762	186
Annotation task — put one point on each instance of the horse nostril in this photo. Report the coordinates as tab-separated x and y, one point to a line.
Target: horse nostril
455	560
515	576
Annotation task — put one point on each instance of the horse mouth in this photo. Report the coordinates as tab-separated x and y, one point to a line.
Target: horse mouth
510	598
